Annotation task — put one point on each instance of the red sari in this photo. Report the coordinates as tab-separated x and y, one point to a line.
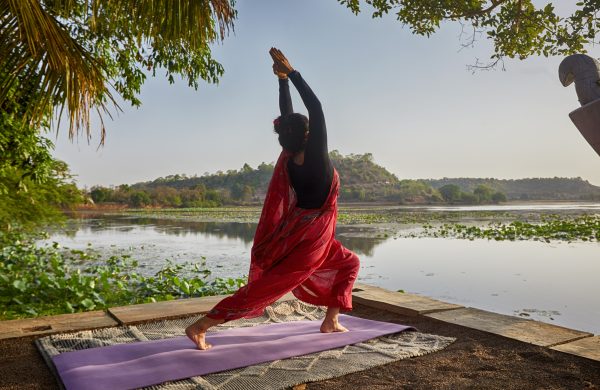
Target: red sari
294	250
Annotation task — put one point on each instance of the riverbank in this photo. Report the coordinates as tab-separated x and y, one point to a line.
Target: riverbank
492	351
519	221
371	213
509	276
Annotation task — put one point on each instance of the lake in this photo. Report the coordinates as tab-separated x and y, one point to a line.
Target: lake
555	282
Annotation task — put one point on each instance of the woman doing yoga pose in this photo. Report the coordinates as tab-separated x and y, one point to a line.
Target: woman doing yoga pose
294	245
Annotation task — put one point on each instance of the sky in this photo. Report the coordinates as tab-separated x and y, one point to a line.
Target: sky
408	100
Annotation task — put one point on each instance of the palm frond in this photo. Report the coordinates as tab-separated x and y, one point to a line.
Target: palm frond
46	69
191	21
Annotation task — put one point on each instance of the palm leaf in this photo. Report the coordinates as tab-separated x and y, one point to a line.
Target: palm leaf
38	53
44	68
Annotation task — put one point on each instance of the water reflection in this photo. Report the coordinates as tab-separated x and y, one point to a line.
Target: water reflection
355	238
361	245
181	228
555	282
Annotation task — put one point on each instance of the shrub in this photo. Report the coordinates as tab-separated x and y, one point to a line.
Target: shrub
44	280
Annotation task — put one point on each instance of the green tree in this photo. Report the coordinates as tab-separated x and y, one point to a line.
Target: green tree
498	197
483	193
33	185
139	199
24	153
237	191
248	193
450	192
101	194
517	28
30	203
469	198
417	191
246	168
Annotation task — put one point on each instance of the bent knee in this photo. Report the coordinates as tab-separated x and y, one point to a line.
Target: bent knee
354	261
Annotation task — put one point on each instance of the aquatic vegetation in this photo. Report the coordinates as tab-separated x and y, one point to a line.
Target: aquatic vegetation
379	214
553	227
347	214
569	225
45	280
200	214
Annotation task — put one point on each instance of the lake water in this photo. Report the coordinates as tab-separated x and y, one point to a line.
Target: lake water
553	207
554	282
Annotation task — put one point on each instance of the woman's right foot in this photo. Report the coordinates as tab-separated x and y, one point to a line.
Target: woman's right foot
330	326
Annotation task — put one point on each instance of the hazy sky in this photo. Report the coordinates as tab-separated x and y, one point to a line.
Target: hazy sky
409	100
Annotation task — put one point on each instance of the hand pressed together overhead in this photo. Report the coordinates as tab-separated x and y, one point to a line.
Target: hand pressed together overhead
281	65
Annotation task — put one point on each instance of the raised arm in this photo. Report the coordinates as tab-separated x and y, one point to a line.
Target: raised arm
317	140
312	103
285	100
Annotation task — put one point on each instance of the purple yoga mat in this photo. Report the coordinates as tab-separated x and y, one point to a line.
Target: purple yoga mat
145	363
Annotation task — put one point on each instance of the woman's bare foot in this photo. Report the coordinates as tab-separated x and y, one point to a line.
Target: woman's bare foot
329	326
197	331
330	323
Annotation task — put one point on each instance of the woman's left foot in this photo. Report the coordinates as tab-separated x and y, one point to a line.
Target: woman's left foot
329	326
197	334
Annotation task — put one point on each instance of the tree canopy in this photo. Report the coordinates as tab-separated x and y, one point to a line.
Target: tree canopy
73	55
518	28
79	56
34	186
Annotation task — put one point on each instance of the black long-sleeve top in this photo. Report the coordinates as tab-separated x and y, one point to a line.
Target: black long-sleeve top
311	181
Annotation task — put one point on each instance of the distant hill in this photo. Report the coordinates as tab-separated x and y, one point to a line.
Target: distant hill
362	180
354	169
556	188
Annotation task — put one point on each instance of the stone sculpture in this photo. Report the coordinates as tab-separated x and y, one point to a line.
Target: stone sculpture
584	71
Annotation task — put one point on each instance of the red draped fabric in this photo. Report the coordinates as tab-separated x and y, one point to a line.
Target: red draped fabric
294	250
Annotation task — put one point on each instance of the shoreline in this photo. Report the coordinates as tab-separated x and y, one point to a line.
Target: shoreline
120	207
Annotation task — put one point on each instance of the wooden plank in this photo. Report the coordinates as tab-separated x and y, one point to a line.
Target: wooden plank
588	347
528	331
133	314
55	324
397	302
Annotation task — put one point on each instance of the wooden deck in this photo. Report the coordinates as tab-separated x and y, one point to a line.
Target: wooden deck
570	341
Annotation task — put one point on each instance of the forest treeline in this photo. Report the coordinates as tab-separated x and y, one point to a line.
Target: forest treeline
362	181
556	188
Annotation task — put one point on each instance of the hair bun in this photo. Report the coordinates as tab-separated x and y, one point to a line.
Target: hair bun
291	129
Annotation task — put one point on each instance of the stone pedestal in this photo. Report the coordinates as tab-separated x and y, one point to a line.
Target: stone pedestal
587	120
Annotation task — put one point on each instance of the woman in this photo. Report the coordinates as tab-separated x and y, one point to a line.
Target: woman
294	245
